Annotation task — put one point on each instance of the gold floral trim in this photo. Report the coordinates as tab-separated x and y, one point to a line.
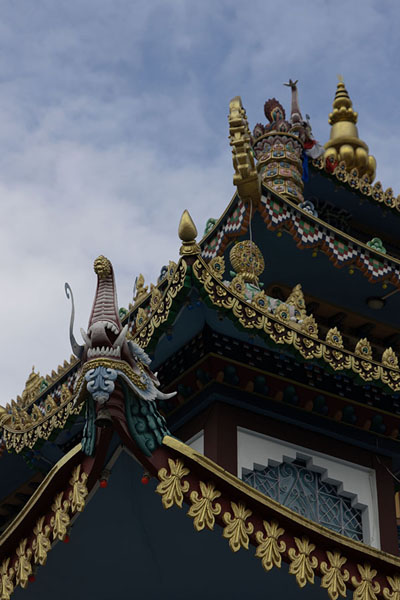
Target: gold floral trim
394	593
171	488
282	330
34	548
302	566
149	318
334	579
60	520
269	549
41	543
362	184
79	490
202	509
236	530
6	580
367	588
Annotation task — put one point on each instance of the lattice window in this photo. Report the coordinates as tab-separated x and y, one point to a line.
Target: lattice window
302	490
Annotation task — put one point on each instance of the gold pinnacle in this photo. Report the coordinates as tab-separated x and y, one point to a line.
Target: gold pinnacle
187	232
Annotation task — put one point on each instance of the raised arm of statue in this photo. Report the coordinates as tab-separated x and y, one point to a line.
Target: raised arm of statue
295	112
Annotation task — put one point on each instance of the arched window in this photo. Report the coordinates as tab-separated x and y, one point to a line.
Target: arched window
297	487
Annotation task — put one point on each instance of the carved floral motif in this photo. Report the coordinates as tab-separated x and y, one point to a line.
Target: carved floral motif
171	488
236	530
269	549
202	509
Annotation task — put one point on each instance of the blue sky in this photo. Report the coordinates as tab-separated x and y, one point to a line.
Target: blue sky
113	120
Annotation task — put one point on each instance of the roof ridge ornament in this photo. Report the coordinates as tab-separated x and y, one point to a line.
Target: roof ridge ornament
344	143
187	232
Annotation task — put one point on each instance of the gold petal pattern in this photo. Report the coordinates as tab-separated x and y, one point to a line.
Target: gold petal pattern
171	487
333	577
236	530
367	588
202	509
302	566
269	549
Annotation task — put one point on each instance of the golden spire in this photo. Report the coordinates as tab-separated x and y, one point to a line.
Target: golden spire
344	143
187	232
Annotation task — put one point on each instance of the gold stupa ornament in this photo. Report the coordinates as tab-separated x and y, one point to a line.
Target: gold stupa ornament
247	261
344	143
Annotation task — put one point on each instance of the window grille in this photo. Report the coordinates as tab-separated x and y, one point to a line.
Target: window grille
302	490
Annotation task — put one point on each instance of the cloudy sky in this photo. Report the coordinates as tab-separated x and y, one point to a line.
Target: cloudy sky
113	119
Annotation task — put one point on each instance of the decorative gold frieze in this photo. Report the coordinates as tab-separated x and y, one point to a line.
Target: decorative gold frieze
269	549
334	337
23	567
394	593
389	359
171	488
296	299
41	543
202	509
367	588
236	530
363	349
334	579
302	566
217	266
6	580
309	326
79	490
60	520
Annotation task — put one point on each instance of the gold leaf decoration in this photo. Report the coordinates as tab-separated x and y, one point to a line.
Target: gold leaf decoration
41	543
302	566
23	567
393	594
140	317
238	286
269	549
334	337
309	326
366	589
79	490
236	530
202	509
217	266
171	487
363	348
155	298
389	359
6	580
60	520
261	301
282	313
334	579
296	299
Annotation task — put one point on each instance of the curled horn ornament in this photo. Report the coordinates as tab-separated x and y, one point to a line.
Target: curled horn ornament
76	348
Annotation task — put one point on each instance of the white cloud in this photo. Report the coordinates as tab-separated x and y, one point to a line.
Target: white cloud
113	120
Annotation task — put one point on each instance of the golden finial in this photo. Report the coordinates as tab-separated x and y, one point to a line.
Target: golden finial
344	143
187	232
102	267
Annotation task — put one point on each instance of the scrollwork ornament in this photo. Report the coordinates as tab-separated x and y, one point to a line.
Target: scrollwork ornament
41	543
171	488
202	509
389	359
334	337
269	549
6	580
60	520
394	593
23	567
334	578
367	588
79	490
236	530
363	348
302	566
217	266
